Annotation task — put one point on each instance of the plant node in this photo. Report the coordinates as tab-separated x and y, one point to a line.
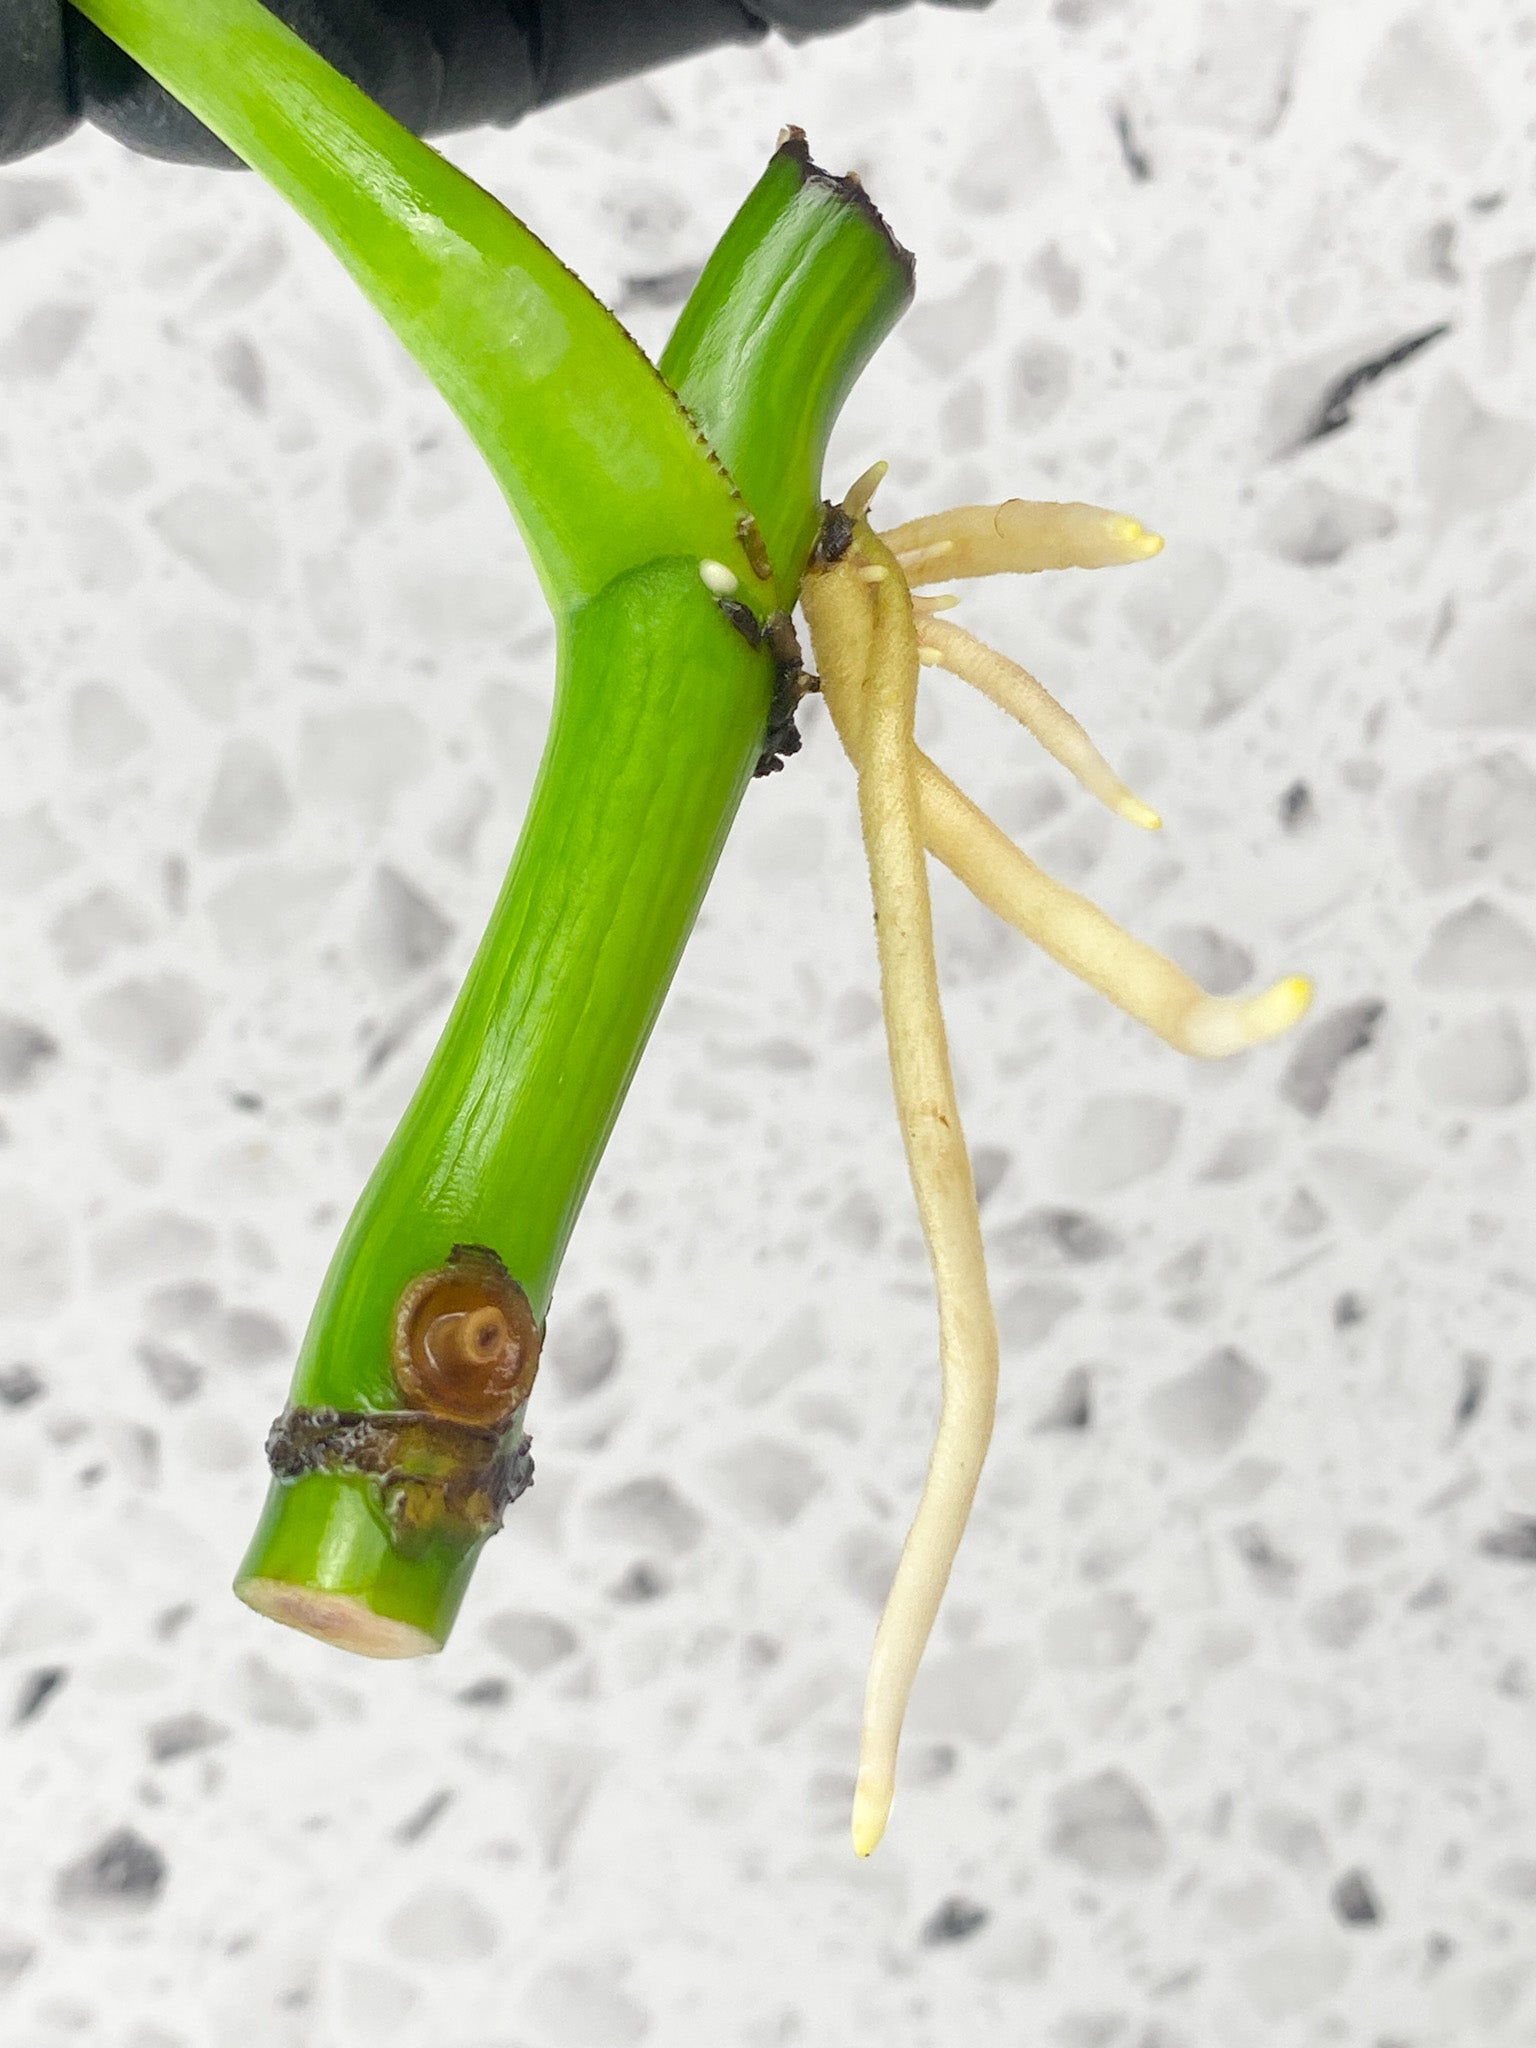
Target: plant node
466	1343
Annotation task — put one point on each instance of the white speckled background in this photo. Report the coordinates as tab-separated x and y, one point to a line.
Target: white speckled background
1228	1733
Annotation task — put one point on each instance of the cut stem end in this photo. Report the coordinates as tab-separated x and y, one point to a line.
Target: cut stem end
340	1619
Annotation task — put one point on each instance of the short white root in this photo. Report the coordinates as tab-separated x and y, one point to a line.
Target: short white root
1017	692
1018	536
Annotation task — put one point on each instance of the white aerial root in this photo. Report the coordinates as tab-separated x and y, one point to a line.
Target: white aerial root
1015	690
1021	536
860	607
870	638
1135	977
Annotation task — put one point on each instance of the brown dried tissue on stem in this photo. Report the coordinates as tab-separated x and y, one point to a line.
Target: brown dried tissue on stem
447	1461
871	637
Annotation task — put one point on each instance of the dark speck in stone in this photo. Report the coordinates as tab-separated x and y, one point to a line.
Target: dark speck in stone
252	1104
427	1815
1297	808
1439	256
1515	1679
586	1347
385	1038
182	1734
1312	1071
956	1920
641	1582
1475	1370
37	1688
938	1760
989	1165
1072	1406
1137	162
485	1692
177	878
25	203
19	1384
1056	1237
14	1958
1336	408
1348	1310
1355	1901
173	1377
26	1051
663	288
1276	1572
1516	1541
173	1620
1434	1592
123	1870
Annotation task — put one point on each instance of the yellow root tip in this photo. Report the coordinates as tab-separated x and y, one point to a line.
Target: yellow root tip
871	1811
1140	545
1284	1005
856	503
1132	808
1217	1027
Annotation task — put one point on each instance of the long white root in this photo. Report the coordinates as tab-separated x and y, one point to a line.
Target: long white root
873	704
870	638
1133	975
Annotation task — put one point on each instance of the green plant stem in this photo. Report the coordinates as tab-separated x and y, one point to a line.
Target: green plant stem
785	315
583	436
660	705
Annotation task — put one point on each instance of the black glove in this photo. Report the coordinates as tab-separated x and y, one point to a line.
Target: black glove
435	64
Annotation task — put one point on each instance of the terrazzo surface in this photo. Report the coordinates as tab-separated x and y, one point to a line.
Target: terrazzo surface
1227	1733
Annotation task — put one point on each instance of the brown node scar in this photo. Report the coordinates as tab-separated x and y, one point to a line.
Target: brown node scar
754	547
743	618
835	537
437	1476
466	1342
790	684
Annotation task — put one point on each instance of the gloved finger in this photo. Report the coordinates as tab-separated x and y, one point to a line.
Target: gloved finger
436	65
586	43
796	19
123	99
35	104
393	57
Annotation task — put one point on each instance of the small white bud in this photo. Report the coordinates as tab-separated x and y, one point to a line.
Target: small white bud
717	578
